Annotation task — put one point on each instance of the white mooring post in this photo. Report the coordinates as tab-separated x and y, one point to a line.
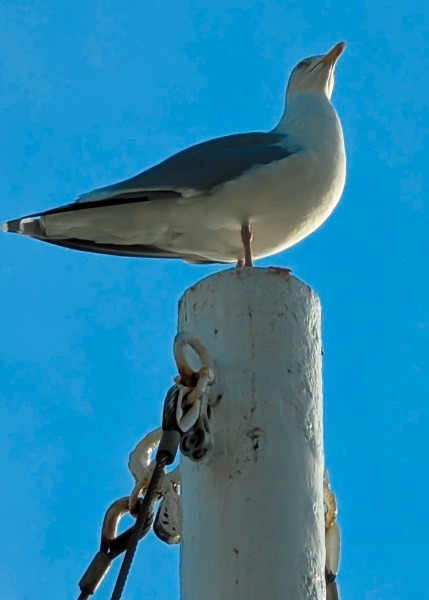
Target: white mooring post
253	519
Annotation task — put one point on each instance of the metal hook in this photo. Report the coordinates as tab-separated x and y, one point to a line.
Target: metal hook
111	545
111	520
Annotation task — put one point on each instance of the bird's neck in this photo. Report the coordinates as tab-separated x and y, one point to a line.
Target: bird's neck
307	115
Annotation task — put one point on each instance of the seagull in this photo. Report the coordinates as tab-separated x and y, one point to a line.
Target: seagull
231	199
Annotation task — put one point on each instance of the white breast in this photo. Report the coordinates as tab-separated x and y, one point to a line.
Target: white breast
283	202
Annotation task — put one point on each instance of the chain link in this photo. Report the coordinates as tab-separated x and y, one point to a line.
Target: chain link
137	530
185	412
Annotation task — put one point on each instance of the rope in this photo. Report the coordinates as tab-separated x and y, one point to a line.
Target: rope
139	526
120	543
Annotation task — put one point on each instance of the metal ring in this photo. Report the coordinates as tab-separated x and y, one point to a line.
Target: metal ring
187	374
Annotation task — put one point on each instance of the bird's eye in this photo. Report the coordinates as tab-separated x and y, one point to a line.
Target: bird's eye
303	64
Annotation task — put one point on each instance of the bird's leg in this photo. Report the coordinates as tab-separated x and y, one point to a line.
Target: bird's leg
240	263
246	238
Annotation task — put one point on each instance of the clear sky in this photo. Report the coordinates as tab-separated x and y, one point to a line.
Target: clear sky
93	92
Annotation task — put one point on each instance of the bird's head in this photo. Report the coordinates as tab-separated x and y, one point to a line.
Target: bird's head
316	74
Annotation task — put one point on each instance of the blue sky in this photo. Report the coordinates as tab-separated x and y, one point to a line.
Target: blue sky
92	93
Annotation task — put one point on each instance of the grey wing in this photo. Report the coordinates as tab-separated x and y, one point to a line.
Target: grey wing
197	169
194	171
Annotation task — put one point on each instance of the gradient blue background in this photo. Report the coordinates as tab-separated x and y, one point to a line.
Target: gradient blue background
93	92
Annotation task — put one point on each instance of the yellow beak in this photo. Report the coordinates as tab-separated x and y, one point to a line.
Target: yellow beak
333	55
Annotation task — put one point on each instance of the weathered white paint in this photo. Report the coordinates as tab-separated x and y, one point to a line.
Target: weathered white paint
253	525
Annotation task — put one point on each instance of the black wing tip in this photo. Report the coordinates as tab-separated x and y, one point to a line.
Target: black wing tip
25	226
11	226
129	251
119	198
